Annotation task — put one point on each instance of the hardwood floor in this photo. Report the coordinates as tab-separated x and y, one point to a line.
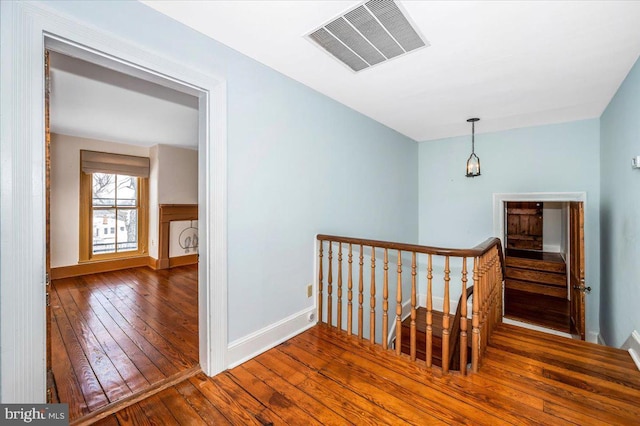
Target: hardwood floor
117	334
539	309
323	377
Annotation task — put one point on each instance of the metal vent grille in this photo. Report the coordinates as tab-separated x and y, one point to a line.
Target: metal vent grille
370	34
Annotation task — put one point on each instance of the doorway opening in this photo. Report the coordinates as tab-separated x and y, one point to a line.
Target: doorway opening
24	363
543	236
121	322
536	290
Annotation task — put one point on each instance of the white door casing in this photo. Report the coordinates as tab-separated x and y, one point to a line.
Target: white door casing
25	30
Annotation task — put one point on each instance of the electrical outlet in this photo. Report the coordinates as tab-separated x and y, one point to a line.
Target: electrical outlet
309	290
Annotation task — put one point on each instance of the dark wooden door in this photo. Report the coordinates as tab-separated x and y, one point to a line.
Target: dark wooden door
524	225
51	386
576	268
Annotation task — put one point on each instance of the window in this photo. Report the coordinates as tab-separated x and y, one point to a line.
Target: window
112	201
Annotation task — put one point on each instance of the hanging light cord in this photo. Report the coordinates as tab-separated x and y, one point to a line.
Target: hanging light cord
473	137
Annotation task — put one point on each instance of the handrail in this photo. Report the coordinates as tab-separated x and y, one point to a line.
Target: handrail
478	250
486	273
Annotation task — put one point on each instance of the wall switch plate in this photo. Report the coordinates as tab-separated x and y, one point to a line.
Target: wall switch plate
635	162
309	290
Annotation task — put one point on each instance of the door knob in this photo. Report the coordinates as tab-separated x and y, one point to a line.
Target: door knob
582	288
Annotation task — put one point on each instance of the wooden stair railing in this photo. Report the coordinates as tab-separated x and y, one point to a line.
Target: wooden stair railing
455	345
487	272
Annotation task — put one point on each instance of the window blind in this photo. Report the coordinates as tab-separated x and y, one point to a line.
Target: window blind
104	162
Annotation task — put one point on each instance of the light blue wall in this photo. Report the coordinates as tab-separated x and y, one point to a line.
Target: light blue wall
456	211
620	213
298	164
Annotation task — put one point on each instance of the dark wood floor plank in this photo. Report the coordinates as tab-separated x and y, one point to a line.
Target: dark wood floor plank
166	344
169	326
284	407
151	343
103	367
180	407
89	384
487	392
112	347
205	409
108	421
165	298
121	361
573	345
340	399
533	368
141	361
157	412
133	416
325	377
391	398
184	292
588	352
312	406
67	384
225	402
286	367
598	408
574	416
261	413
585	363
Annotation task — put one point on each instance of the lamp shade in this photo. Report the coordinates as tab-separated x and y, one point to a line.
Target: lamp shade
473	166
473	163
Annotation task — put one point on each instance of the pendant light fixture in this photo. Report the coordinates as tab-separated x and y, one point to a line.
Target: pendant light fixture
473	163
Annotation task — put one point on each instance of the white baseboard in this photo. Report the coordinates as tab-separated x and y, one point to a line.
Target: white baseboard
601	340
536	328
633	346
254	344
592	336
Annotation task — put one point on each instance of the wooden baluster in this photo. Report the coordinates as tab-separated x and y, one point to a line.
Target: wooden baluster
499	285
330	287
320	278
339	307
484	308
372	313
360	293
487	291
385	301
445	318
399	306
475	317
429	337
463	320
413	307
350	293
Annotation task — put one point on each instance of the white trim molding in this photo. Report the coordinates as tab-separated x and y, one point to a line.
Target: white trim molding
25	29
633	346
536	328
592	337
260	341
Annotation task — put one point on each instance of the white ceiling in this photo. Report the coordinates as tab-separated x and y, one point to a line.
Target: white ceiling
94	102
511	63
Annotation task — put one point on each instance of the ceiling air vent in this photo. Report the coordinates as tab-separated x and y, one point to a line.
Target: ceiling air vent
369	34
